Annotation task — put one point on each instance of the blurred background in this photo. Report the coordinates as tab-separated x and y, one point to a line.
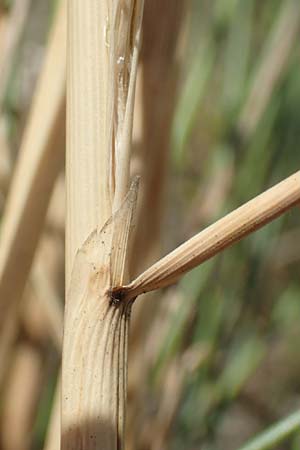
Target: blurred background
215	359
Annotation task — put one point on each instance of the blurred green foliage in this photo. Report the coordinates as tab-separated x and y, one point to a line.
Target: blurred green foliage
243	308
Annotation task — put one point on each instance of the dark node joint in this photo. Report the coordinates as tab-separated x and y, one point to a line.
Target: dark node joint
116	296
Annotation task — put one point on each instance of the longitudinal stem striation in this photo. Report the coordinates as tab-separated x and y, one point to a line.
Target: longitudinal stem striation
96	333
124	35
103	44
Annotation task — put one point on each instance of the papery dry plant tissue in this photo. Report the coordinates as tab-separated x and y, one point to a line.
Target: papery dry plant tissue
103	44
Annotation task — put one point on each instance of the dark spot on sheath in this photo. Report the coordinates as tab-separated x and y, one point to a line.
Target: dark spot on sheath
116	296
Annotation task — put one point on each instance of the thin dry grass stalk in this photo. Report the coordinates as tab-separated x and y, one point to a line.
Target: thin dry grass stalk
21	398
228	230
273	62
41	157
41	312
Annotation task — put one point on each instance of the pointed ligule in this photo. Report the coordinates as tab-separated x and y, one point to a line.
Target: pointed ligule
122	225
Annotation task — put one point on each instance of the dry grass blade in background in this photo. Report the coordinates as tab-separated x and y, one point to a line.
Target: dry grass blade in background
273	62
226	231
20	404
157	78
41	158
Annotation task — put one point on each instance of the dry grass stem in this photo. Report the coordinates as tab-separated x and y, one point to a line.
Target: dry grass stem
93	401
100	126
212	240
124	48
41	157
103	43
